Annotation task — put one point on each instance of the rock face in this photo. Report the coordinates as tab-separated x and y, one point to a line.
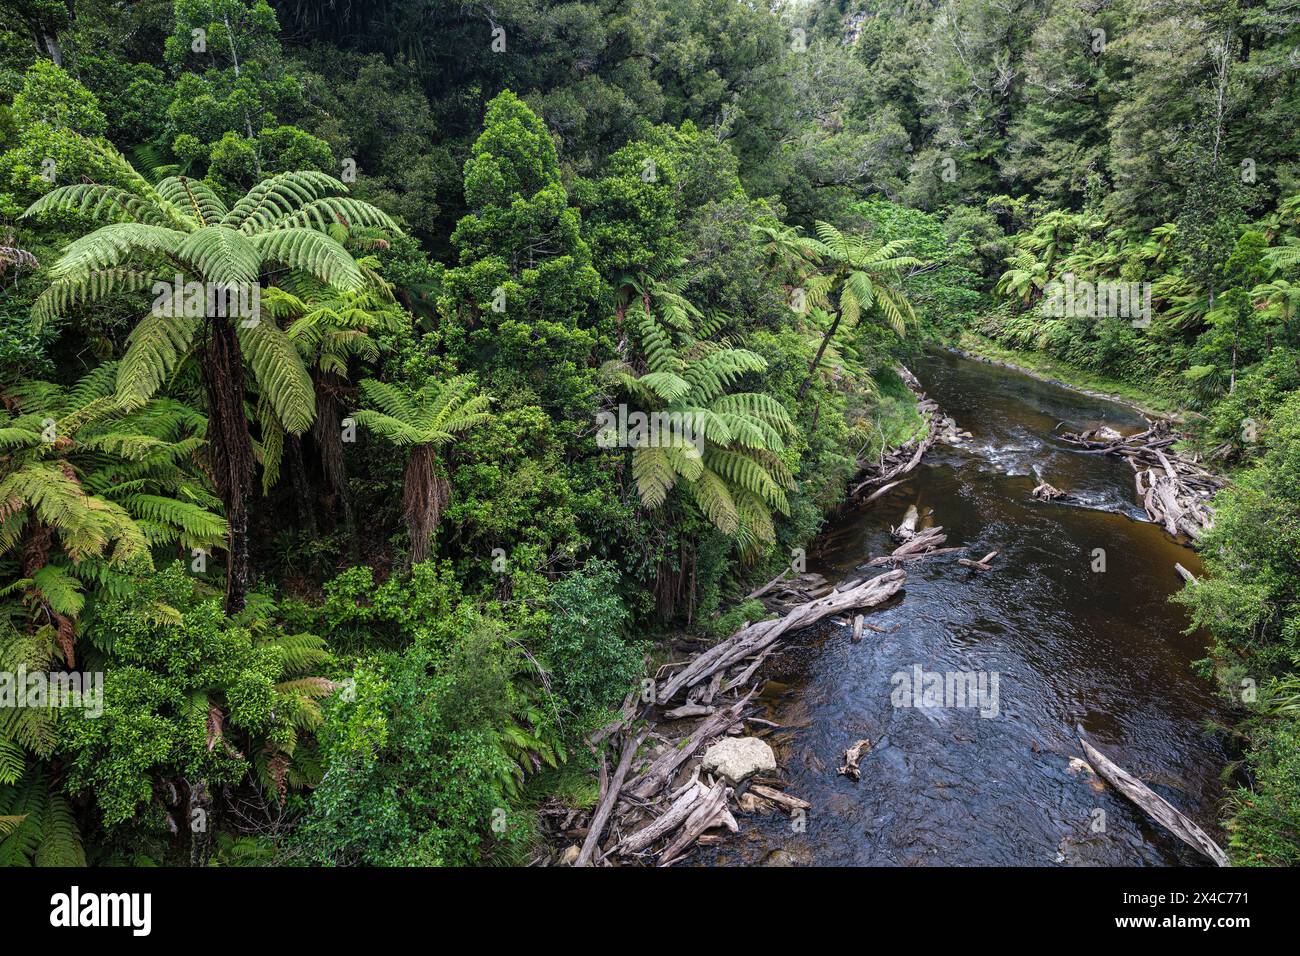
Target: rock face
739	757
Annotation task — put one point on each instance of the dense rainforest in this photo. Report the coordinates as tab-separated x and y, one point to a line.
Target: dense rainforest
367	551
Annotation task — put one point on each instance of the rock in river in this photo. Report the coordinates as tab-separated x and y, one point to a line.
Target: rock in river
738	758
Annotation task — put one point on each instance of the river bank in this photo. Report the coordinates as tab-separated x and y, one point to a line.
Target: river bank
1045	368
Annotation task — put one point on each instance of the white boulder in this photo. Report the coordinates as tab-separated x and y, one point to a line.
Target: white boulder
737	758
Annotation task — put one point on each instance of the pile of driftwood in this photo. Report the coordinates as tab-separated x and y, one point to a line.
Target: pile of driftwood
917	545
897	462
1175	488
656	804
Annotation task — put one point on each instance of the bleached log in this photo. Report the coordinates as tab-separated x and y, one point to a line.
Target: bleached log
776	796
1154	805
906	529
608	798
757	637
982	564
707	813
664	824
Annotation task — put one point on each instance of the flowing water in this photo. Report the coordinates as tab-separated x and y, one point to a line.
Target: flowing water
1070	645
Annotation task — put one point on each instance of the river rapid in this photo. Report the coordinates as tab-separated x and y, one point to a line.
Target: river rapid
1069	644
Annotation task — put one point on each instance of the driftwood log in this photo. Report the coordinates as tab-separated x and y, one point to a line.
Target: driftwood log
982	564
1153	804
609	796
758	637
922	545
906	529
1045	492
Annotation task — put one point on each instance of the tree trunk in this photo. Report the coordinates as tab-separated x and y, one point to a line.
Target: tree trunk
232	452
817	359
200	813
329	439
301	488
425	494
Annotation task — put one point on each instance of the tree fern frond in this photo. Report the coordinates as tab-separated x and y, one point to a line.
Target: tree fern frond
312	252
195	198
109	246
710	492
99	203
65	294
155	347
222	255
280	374
654	475
322	213
276	197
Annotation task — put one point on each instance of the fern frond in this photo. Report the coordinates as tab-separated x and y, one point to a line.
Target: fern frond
280	374
312	252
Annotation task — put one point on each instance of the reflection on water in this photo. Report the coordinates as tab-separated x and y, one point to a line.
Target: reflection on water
1071	646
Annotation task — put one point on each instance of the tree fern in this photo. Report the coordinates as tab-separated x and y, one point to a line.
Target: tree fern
181	228
424	420
721	446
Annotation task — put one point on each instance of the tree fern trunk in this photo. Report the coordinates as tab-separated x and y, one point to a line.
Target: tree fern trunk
232	452
301	487
817	359
424	496
329	439
200	819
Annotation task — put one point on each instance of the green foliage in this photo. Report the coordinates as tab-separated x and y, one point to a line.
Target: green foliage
194	696
592	665
638	225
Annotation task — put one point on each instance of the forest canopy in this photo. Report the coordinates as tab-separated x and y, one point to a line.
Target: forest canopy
314	316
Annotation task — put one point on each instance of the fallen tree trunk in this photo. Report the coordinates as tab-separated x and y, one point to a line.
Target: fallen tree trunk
607	799
757	637
1153	804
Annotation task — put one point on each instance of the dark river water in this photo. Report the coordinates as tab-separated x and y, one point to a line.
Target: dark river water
1069	645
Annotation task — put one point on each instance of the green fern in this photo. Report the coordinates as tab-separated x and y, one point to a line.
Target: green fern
722	446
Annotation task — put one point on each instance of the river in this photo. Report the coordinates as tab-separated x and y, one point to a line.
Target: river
1070	644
